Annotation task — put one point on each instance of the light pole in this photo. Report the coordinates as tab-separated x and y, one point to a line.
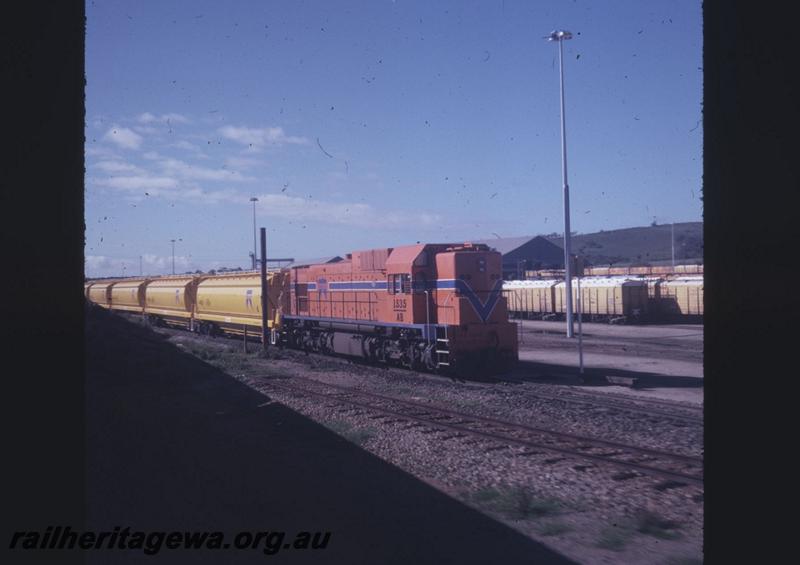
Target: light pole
173	253
560	36
253	199
672	229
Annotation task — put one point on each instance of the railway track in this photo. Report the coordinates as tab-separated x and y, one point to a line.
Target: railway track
632	461
647	406
605	400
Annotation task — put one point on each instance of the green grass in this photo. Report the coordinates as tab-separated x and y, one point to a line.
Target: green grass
517	503
225	358
642	522
269	353
358	436
485	495
614	538
652	524
554	529
684	561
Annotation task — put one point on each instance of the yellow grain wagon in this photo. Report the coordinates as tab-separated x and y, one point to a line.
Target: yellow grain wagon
128	295
232	303
100	293
171	299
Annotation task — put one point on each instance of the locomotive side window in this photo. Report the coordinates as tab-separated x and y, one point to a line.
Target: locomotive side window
400	284
405	284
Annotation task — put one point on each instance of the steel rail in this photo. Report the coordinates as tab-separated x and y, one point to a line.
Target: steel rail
430	412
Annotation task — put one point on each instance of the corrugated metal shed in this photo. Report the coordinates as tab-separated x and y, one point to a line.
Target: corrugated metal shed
524	253
320	261
506	245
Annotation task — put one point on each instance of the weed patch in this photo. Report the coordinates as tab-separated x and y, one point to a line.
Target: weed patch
684	561
652	524
554	529
517	503
358	436
614	538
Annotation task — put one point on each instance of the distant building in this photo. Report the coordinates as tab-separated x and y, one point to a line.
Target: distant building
526	253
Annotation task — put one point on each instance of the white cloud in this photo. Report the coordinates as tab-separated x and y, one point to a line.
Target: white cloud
183	144
138	183
352	214
190	172
105	266
116	167
97	263
259	137
156	263
167	187
100	151
124	137
148	118
241	162
192	148
146	130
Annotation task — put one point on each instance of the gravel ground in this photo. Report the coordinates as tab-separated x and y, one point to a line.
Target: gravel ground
591	513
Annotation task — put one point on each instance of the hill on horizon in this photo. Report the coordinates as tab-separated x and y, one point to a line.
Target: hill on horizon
638	246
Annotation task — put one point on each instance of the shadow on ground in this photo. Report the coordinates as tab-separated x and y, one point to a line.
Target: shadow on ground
533	371
174	444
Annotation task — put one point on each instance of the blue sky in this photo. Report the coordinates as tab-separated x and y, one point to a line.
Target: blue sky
380	123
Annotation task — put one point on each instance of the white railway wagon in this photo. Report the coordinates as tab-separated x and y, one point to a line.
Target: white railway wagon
530	299
682	296
611	298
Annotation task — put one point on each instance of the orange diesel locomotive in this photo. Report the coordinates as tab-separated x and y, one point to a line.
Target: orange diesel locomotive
434	306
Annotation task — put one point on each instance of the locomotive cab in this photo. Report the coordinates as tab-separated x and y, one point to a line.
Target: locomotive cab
472	309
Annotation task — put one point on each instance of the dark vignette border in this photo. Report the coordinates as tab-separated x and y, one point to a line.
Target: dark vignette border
750	176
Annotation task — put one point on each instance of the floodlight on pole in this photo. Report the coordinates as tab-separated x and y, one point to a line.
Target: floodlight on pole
560	36
253	199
